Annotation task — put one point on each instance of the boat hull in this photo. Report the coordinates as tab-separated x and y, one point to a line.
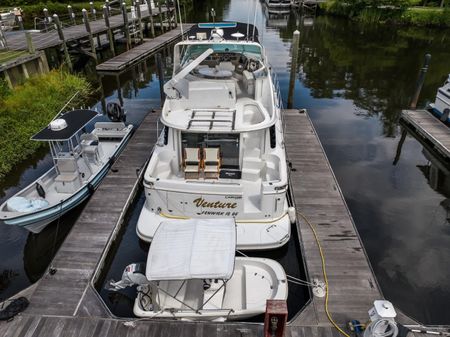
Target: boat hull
252	235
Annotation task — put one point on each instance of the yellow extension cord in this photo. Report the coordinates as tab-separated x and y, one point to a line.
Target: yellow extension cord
324	271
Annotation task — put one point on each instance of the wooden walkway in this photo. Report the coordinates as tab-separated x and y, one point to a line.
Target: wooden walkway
66	304
44	40
139	52
353	287
430	128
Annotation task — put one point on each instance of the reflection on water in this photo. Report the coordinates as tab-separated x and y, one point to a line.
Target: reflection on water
354	80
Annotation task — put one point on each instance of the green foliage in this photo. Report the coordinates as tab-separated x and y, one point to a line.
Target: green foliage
29	107
4	89
426	17
396	11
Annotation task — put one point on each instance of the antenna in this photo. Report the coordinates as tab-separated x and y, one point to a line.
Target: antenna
254	22
248	18
181	20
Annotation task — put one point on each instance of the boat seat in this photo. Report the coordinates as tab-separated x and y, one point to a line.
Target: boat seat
191	162
211	162
215	299
90	147
68	180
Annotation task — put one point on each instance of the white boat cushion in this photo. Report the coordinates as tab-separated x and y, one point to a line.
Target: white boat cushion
192	249
21	204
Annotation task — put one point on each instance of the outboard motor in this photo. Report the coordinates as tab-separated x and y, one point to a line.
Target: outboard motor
115	112
133	274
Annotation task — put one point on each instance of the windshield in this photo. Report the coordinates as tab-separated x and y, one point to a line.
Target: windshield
191	52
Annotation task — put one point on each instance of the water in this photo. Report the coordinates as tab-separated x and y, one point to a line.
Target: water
354	80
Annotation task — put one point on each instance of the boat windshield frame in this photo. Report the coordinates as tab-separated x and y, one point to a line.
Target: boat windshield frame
185	52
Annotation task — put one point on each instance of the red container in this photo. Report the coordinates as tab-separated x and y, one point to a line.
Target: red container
275	318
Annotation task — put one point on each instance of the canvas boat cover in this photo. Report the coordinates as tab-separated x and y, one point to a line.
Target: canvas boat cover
75	119
192	249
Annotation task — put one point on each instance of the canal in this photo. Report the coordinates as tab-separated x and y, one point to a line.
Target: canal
354	80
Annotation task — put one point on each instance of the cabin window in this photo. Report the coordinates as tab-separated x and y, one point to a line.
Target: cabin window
227	143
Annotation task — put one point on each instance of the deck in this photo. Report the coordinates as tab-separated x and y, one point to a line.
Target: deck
66	304
430	128
44	40
140	52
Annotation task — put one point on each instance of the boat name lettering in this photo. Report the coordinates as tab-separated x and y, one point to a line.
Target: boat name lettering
200	202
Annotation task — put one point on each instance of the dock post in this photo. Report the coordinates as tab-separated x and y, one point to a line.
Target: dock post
109	31
150	13
295	45
71	14
61	37
46	19
107	6
175	6
93	11
19	18
161	20
169	16
126	27
3	42
420	81
30	45
138	13
160	68
88	29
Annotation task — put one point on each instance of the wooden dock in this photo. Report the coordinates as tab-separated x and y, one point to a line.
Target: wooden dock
430	128
139	52
44	40
66	304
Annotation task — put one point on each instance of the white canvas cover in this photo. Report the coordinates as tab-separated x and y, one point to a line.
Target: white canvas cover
192	249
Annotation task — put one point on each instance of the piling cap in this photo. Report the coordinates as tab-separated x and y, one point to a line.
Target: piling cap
384	309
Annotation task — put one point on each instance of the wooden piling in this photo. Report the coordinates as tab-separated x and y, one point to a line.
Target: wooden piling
19	18
61	37
150	13
30	45
160	69
71	14
295	45
126	26
169	16
46	19
139	17
3	42
109	31
93	11
175	6
161	20
420	80
88	29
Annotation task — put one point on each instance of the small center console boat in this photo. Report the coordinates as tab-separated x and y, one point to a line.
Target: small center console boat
81	160
441	107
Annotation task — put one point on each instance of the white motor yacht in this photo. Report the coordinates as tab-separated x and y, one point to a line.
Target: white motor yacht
221	153
441	107
192	273
81	160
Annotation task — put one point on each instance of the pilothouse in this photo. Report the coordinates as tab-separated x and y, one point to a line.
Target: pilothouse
221	153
